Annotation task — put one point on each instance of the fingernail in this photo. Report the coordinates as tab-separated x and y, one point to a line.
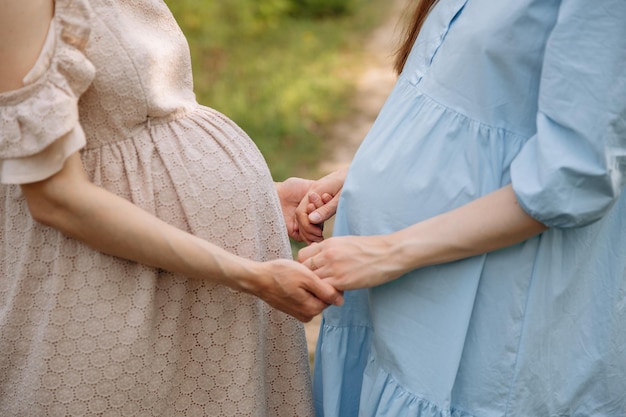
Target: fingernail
315	217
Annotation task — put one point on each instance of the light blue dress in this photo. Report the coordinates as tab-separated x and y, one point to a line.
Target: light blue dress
528	92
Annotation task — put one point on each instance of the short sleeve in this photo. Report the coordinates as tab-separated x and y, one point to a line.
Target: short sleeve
39	123
573	170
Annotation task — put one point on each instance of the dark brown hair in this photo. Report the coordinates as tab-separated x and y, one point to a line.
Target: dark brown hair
422	8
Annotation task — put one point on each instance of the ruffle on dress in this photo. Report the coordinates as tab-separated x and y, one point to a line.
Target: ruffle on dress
39	123
383	395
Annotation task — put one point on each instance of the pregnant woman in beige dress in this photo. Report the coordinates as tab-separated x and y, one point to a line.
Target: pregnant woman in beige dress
134	223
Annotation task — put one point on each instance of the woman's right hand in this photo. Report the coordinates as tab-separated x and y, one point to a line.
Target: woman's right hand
319	205
70	203
291	288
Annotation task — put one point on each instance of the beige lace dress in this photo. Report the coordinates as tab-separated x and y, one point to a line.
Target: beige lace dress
82	333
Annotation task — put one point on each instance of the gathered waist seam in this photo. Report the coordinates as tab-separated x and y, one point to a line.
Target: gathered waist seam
420	92
149	124
175	115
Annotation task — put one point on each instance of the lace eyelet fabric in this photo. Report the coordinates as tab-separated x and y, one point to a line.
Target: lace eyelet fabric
83	333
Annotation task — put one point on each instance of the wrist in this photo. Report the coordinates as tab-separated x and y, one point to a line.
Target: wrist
400	259
409	251
249	276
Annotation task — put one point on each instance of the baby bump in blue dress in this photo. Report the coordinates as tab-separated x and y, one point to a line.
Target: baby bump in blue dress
529	93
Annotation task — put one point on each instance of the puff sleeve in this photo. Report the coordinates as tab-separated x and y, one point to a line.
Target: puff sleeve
571	172
39	123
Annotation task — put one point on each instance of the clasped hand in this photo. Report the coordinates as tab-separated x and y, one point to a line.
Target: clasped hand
338	263
346	262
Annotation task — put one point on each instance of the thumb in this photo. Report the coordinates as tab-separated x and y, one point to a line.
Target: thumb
324	212
326	292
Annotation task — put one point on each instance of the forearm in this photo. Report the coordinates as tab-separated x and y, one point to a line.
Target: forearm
489	223
143	238
113	225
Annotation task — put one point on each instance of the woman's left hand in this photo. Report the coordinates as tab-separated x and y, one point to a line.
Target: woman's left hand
291	192
353	262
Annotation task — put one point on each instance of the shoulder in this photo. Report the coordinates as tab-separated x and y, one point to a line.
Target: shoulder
23	28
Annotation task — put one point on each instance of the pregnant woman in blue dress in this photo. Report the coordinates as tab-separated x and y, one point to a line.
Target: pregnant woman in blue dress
480	235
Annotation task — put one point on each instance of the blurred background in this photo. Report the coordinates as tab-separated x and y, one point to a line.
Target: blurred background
304	78
284	70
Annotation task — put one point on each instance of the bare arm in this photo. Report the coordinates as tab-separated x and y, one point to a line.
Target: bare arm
489	223
69	202
23	28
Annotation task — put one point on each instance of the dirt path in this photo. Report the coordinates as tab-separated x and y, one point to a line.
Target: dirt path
373	86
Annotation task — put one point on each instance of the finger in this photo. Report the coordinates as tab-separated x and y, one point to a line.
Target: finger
321	289
316	200
325	212
307	252
316	264
294	232
309	232
311	208
326	292
309	308
326	198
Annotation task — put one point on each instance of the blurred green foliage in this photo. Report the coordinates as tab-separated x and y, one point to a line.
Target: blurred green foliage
318	8
281	69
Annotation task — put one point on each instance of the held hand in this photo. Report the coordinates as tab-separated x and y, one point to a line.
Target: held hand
291	192
319	206
294	289
327	205
352	262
